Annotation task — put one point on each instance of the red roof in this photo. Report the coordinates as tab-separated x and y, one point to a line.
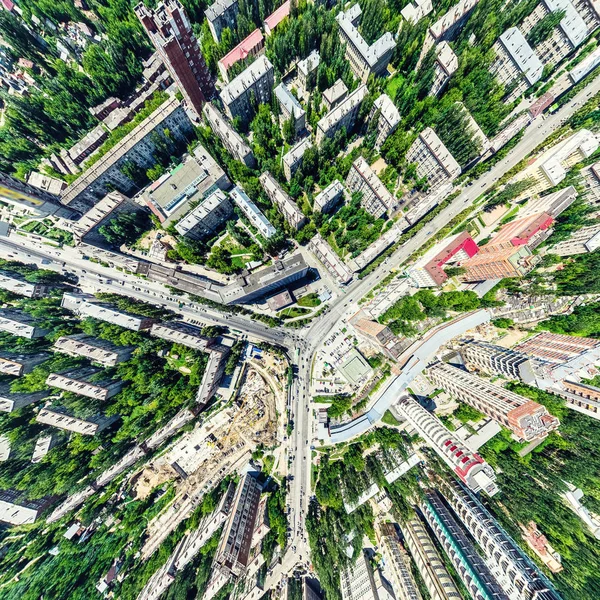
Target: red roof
520	231
462	242
253	42
277	16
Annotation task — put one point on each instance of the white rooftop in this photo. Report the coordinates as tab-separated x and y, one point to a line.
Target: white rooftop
522	54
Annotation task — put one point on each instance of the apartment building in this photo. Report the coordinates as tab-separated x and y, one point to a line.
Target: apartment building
496	360
552	166
252	212
553	204
428	271
15	364
360	581
469	467
438	581
182	333
137	147
326	200
248	288
376	199
88	306
44	182
250	46
413	12
364	59
83	149
512	568
564	38
379	336
343	115
204	220
290	107
527	419
230	138
20	324
190	182
330	260
517	67
397	563
557	348
335	94
276	17
221	14
254	83
586	239
292	214
62	420
16	509
307	70
497	263
94	349
446	64
18	284
293	158
10	401
234	547
433	159
86	228
43	445
170	32
388	121
85	382
30	198
469	565
5	448
213	373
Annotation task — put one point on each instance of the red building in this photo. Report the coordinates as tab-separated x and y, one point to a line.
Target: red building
171	34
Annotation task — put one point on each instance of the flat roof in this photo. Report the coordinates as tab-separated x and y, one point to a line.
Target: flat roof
246	79
523	55
356	367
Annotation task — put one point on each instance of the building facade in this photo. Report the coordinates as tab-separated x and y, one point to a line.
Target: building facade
20	324
252	212
388	121
343	115
376	199
290	107
204	220
84	382
220	15
292	214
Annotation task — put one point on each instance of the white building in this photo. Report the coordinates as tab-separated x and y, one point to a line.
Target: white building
252	212
343	115
204	220
376	199
389	118
307	70
60	420
335	94
292	214
326	200
586	239
290	107
360	582
446	64
414	12
332	262
293	158
20	324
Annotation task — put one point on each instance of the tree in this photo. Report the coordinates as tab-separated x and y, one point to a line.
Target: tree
125	228
543	29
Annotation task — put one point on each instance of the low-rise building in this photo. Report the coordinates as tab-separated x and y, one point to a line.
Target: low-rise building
21	324
247	48
10	401
290	107
62	420
15	364
414	12
376	199
248	288
343	115
204	220
428	271
293	158
230	138
327	199
138	147
194	180
86	228
94	349
365	59
15	509
307	70
221	14
379	336
251	87
85	382
252	212
18	284
434	161
292	214
539	543
182	333
280	301
84	148
276	17
517	67
335	94
332	262
446	64
88	306
388	120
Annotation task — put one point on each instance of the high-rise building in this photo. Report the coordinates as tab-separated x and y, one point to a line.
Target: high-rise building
434	161
364	60
466	464
376	199
496	360
171	34
234	548
213	373
469	565
527	419
438	581
497	263
557	348
428	271
360	581
292	214
397	563
515	572
220	15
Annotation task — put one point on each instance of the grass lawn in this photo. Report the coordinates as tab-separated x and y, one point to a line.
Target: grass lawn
392	86
309	300
293	311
